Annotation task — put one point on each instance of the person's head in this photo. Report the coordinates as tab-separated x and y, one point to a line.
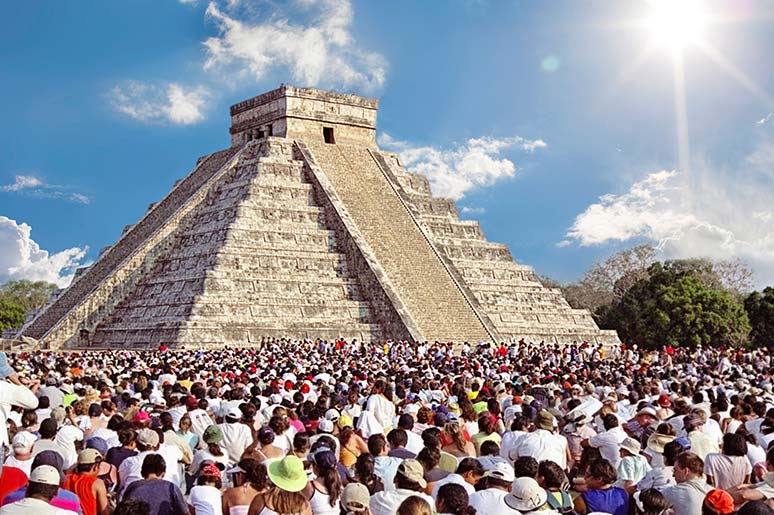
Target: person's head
610	421
397	438
671	451
718	502
410	476
431	437
210	474
526	495
406	421
377	444
147	440
454	432
500	476
414	505
734	444
551	476
44	483
429	457
324	466
153	466
525	466
471	470
89	461
453	498
490	448
755	508
185	423
266	436
600	474
688	466
650	502
48	429
355	499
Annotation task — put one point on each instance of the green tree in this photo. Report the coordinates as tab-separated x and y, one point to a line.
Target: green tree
27	294
760	310
674	305
11	315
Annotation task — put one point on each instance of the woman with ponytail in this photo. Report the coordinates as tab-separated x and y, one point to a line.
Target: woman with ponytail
327	485
453	500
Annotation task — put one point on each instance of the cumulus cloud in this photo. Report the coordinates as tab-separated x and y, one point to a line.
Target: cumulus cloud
318	51
718	213
32	186
466	210
453	172
22	258
161	103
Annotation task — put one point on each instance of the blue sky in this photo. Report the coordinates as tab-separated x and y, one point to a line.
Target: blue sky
557	125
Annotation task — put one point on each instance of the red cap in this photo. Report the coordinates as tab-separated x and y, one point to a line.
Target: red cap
719	501
191	402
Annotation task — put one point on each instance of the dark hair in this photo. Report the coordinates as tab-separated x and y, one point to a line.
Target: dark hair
42	490
490	448
552	474
602	470
406	421
470	465
610	421
364	471
132	506
485	423
454	500
525	466
755	508
126	436
210	479
397	438
331	480
431	437
671	451
653	502
153	464
518	423
376	444
734	444
429	457
255	473
690	461
301	442
405	483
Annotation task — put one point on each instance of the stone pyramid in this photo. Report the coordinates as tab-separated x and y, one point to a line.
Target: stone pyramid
304	229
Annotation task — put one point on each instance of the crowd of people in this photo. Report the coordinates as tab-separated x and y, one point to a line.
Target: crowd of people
348	428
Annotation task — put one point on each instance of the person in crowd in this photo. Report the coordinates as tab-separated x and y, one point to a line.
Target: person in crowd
85	483
414	505
250	479
163	497
409	482
41	490
687	496
601	494
650	502
205	498
731	467
454	499
355	500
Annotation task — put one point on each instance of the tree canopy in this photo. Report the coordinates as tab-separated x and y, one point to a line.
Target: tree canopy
760	310
19	297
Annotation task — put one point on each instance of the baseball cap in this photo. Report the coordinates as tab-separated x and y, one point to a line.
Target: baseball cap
501	470
413	471
332	415
148	437
355	497
51	458
23	441
323	458
89	456
234	412
325	426
45	475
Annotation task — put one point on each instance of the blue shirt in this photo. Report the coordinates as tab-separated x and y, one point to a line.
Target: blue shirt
611	500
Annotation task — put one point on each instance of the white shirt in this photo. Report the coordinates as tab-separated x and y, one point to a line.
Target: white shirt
415	443
455	479
382	409
687	498
131	468
200	421
387	502
206	500
236	438
386	467
30	506
490	502
13	395
609	444
543	445
24	465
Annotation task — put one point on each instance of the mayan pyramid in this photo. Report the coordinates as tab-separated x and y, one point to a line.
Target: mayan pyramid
304	229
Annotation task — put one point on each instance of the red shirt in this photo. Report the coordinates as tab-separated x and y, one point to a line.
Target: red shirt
11	479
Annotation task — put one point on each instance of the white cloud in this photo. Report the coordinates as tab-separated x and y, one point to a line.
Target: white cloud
766	119
189	2
22	258
453	172
170	102
34	187
22	182
473	210
717	213
318	52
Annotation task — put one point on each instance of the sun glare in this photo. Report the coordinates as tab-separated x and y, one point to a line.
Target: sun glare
677	23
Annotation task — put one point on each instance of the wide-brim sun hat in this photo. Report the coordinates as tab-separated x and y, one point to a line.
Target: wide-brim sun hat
288	474
657	441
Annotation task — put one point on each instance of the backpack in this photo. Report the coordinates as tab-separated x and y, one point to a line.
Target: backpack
565	506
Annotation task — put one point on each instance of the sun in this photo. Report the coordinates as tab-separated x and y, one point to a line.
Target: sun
677	23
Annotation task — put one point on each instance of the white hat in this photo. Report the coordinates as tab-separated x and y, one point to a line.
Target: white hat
45	474
526	495
332	415
501	470
23	441
325	426
631	445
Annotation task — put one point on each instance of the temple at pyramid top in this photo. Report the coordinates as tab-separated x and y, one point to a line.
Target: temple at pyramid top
307	114
272	238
